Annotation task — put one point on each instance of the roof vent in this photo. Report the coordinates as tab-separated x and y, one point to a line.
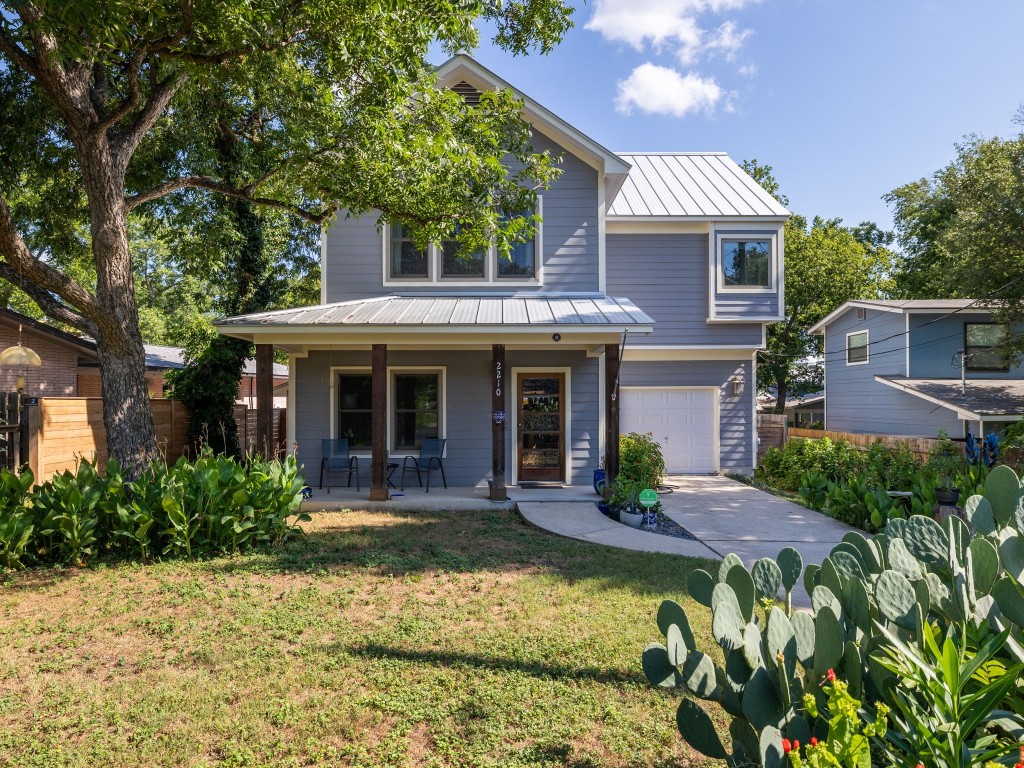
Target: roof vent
861	313
468	93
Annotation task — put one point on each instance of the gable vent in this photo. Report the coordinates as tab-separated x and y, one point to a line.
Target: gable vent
861	313
468	93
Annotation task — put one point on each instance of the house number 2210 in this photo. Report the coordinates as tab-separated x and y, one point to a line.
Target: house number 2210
497	379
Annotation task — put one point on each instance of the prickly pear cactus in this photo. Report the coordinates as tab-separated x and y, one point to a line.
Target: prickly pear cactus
916	571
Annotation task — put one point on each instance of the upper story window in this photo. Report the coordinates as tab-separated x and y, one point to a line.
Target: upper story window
406	259
983	345
746	263
447	261
856	347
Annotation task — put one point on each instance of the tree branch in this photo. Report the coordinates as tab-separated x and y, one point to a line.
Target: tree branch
46	301
32	271
19	55
126	143
212	185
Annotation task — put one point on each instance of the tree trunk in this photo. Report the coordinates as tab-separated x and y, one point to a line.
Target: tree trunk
127	413
782	389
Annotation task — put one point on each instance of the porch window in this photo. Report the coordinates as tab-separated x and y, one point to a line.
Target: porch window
406	259
983	344
746	263
355	409
856	348
416	404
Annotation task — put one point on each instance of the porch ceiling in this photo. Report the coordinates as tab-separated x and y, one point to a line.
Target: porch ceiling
447	316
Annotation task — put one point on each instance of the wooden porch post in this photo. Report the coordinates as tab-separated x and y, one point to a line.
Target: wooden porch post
498	419
379	424
264	399
611	410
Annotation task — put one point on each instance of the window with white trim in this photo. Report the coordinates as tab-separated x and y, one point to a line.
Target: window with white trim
448	262
415	408
856	347
746	262
983	344
355	412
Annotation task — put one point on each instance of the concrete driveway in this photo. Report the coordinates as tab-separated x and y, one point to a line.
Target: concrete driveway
728	516
724	515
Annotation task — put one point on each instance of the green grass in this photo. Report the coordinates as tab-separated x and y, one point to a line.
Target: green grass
432	639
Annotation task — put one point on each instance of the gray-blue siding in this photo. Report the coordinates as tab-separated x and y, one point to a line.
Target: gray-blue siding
935	339
666	275
355	250
855	402
736	412
468	411
739	303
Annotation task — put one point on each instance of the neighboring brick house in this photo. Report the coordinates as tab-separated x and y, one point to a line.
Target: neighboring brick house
71	368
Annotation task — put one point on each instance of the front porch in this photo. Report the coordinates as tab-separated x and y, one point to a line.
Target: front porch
451	499
520	389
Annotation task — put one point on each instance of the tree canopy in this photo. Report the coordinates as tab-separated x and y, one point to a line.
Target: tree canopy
105	108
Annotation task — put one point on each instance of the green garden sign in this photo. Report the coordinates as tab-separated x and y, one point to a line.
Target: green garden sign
648	497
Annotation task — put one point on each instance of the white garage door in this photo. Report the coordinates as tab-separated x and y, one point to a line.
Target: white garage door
682	420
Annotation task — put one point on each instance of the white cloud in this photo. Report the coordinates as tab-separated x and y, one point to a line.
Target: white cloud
747	70
664	91
674	23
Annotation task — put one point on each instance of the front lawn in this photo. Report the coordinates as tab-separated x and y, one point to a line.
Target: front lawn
432	639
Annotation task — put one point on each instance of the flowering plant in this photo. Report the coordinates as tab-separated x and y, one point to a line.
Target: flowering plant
848	744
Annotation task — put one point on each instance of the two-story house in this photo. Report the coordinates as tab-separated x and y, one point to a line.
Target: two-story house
638	306
917	367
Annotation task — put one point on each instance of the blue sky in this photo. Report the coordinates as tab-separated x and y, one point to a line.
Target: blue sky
846	100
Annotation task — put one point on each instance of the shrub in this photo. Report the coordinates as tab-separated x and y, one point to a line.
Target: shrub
784	467
872	599
640	460
212	505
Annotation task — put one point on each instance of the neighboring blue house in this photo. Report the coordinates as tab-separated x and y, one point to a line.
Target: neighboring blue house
513	362
894	368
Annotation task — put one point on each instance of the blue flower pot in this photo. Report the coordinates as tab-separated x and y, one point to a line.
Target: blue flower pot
599	478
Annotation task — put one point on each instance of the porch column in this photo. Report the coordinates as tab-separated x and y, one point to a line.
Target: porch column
611	418
379	424
498	419
264	399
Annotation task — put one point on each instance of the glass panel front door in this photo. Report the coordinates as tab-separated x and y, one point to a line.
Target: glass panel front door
542	427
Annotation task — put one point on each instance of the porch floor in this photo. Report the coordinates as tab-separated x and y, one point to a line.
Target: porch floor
440	498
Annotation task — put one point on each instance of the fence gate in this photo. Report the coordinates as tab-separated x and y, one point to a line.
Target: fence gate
10	430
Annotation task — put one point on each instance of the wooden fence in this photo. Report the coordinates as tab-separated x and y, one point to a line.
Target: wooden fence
920	447
771	432
65	430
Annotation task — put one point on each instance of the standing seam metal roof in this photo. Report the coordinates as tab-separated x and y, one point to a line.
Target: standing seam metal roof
698	184
447	310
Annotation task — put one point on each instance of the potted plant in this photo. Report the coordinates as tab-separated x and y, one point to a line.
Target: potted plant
946	462
624	499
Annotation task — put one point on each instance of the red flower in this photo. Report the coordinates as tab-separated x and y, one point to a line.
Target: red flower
796	745
814	741
786	746
919	765
831	676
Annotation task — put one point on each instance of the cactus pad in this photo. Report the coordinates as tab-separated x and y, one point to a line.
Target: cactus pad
670	612
926	540
1001	488
828	641
984	564
699	675
767	578
730	561
791	564
699	585
803	631
771	748
902	561
869	555
847	565
823	597
698	730
657	668
1010	599
727	625
743	585
895	597
980	514
761	704
1011	554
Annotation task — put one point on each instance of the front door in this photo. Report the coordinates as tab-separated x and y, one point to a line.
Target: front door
541	449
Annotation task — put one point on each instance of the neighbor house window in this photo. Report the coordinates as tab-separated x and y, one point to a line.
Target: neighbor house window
983	344
746	263
355	409
406	259
856	347
522	260
415	406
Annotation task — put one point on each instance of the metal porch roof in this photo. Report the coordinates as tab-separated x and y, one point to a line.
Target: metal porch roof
981	397
592	314
694	184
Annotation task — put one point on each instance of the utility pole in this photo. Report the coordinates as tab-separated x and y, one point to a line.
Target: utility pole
963	357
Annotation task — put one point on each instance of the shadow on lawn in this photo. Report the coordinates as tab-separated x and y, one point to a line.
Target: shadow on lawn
479	661
401	544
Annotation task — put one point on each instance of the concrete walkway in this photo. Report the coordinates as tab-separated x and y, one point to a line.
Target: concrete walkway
725	516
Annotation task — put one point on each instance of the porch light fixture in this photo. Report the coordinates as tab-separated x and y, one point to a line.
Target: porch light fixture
19	356
737	386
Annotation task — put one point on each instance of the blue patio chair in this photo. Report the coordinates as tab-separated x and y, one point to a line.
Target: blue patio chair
429	459
337	459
